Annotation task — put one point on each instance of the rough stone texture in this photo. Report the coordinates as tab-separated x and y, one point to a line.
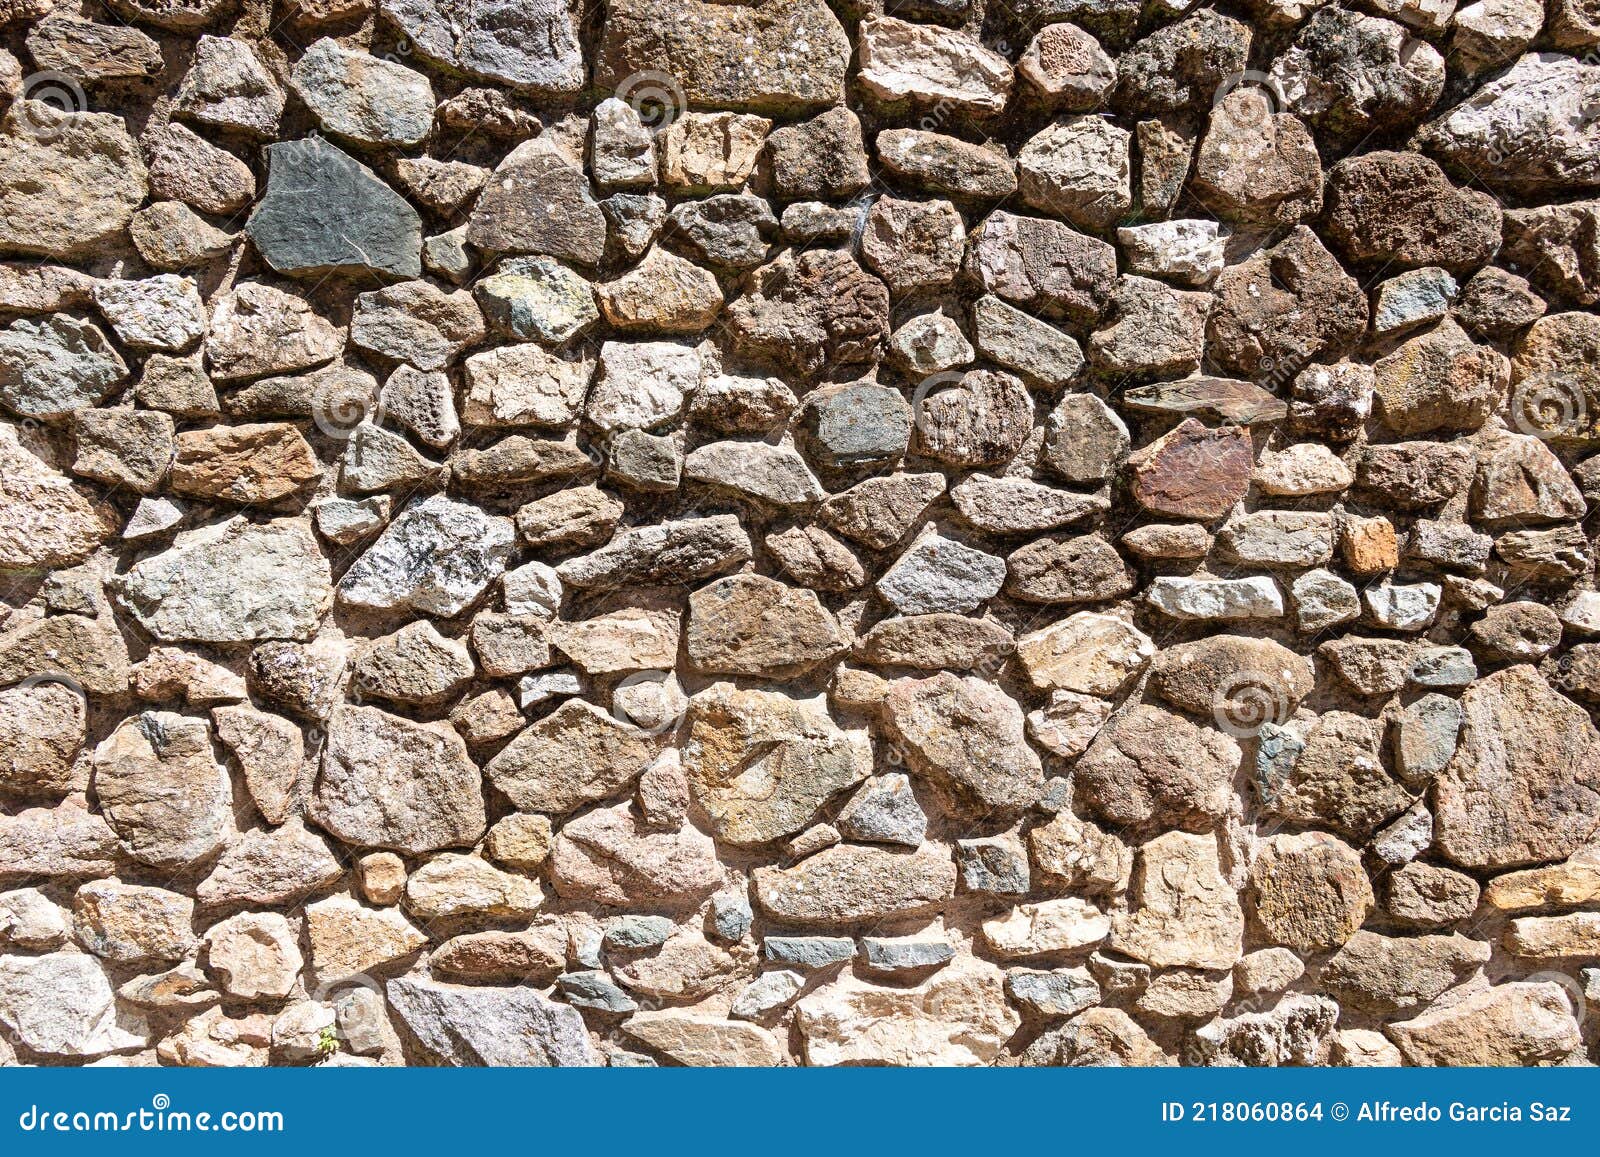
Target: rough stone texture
1092	502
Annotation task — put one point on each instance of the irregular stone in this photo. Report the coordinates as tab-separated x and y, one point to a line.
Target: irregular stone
436	557
805	313
69	181
326	213
1506	1024
131	923
694	1042
1045	928
930	65
947	165
389	783
1283	307
1533	104
1257	165
1350	75
367	98
576	755
760	764
463	1025
1309	891
1514	792
728	57
607	856
538	201
1182	910
1193	472
62	1005
162	791
985	760
1149	767
1043	266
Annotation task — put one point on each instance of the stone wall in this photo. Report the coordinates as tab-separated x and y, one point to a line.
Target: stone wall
782	533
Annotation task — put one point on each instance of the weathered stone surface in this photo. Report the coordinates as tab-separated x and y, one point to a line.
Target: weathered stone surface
1399	975
389	783
231	582
437	557
1193	471
1043	266
469	1025
1515	792
728	57
537	201
1532	104
956	1016
161	790
1507	1024
62	1005
1150	768
930	65
326	213
1182	910
1283	307
69	181
1309	891
1350	74
849	885
608	856
966	735
575	755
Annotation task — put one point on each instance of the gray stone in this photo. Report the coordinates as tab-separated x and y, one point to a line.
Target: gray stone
227	86
468	1025
939	574
325	212
367	98
530	45
52	366
436	557
595	990
231	582
884	810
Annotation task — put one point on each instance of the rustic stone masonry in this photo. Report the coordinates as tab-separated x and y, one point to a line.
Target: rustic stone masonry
789	532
